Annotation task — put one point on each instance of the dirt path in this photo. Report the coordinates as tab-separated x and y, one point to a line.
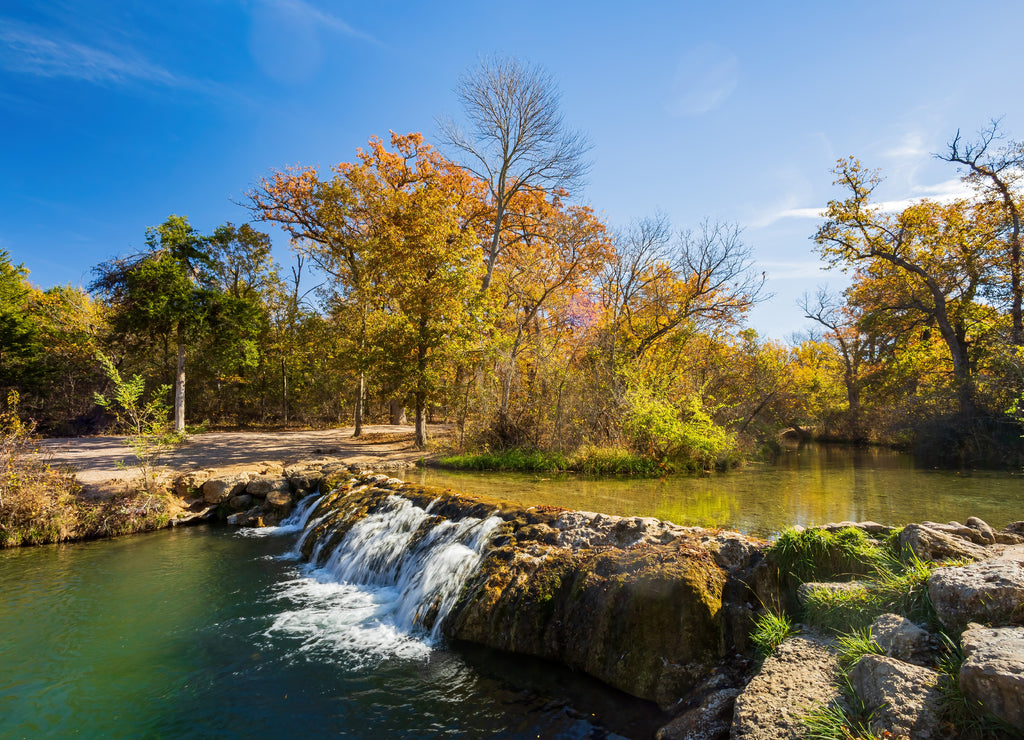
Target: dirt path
96	458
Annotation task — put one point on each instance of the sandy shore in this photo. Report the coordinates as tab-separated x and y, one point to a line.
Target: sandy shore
96	458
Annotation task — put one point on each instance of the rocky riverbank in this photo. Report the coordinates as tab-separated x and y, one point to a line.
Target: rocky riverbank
666	613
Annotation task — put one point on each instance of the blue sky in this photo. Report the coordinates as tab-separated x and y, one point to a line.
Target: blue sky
116	114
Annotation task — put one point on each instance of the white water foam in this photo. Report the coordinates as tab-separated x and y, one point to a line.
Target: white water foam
391	576
294	522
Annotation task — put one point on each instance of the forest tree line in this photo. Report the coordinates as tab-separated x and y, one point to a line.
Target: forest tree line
479	291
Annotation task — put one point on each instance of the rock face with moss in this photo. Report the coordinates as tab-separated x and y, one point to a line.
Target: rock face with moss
636	603
643	605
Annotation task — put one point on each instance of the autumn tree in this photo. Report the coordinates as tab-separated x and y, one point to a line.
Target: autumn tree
422	258
996	172
516	142
557	252
393	230
925	264
322	218
659	284
842	330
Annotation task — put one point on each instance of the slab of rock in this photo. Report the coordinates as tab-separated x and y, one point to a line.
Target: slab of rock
900	638
221	488
711	720
930	543
240	502
799	676
991	592
993	672
905	699
263	485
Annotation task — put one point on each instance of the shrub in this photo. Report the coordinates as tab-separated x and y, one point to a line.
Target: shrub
34	496
688	436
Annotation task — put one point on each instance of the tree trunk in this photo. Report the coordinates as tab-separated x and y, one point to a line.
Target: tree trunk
421	419
397	411
359	406
284	390
179	387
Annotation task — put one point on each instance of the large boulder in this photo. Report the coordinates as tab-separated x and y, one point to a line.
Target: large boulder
221	488
798	677
992	673
931	543
991	592
905	700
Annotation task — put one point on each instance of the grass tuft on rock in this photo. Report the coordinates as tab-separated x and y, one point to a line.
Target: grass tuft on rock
818	554
770	630
897	587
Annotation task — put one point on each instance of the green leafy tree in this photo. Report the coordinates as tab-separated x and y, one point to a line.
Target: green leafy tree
164	293
19	341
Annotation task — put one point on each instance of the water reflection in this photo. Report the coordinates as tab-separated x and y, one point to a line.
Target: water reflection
807	486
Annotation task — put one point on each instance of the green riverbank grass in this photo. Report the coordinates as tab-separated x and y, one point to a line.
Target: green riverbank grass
587	460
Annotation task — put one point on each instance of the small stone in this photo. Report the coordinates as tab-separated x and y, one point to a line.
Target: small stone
267	484
988	536
279	499
218	490
993	672
240	502
905	699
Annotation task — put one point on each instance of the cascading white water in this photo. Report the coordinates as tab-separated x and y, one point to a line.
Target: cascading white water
387	587
294	522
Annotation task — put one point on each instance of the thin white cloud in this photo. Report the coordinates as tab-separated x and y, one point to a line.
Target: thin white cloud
910	146
705	78
25	49
943	192
320	17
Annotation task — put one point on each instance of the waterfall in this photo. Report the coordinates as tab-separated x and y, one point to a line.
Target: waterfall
382	585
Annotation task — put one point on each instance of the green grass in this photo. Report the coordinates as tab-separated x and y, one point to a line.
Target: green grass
895	588
515	459
816	555
833	723
589	460
852	646
770	629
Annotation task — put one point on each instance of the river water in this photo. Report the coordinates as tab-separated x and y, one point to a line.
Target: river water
207	632
815	484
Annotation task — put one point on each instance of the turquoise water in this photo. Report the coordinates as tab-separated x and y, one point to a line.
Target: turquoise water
203	633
